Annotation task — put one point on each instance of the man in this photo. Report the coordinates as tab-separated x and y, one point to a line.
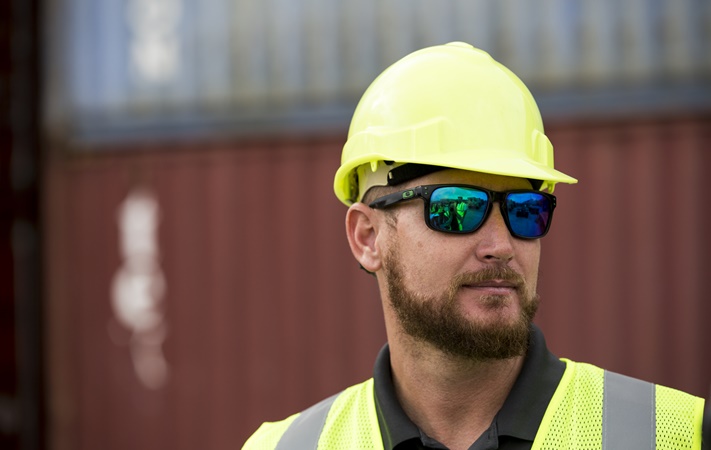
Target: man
464	368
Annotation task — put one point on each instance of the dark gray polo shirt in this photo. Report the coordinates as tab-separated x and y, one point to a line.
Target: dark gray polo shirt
515	425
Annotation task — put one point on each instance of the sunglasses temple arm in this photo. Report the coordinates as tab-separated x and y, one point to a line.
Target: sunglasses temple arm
395	197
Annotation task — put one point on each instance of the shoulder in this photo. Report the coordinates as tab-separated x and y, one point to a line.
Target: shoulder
333	408
665	397
268	434
676	415
679	415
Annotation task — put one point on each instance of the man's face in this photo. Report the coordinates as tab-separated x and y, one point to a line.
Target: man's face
472	296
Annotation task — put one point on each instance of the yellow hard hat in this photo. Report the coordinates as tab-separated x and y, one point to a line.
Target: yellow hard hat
448	106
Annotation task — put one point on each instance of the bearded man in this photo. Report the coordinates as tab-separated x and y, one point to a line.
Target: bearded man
449	128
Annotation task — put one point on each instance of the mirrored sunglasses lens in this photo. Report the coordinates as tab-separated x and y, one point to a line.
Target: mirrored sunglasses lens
457	209
528	214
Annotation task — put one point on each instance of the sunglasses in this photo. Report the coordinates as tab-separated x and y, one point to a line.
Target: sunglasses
462	209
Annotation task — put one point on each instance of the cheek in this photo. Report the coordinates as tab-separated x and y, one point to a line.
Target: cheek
529	253
424	261
429	267
414	259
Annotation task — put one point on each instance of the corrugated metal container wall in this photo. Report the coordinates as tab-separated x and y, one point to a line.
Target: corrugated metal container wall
623	276
263	309
244	304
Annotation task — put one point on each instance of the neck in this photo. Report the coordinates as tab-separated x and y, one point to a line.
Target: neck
450	399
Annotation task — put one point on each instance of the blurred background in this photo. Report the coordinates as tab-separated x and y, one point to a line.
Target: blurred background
174	263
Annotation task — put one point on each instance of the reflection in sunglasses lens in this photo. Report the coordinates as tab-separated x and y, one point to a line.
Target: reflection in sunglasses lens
457	209
528	213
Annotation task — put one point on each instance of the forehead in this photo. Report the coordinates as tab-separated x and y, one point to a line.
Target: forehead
485	180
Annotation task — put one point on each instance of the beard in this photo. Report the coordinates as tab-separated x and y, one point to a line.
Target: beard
439	322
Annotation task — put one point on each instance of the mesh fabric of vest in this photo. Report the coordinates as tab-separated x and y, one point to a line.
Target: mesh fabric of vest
675	411
573	419
352	422
267	436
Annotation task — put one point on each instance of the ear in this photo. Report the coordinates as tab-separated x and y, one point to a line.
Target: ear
362	228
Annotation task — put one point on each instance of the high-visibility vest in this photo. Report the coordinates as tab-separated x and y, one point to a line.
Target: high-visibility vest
591	409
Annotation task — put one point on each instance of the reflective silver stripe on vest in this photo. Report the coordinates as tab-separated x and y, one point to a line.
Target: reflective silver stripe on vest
628	413
304	432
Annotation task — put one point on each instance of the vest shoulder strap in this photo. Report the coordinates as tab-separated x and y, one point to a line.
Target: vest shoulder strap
305	430
608	411
344	421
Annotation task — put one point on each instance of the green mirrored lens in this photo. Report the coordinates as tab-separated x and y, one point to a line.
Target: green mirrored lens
457	209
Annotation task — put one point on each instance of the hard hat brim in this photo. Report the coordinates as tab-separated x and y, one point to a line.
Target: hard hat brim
502	165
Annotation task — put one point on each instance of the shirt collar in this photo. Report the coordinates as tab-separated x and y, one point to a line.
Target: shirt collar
519	417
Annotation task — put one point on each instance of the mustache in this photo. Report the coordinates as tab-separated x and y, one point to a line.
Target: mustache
501	273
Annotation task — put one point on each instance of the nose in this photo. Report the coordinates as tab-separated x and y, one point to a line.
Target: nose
494	241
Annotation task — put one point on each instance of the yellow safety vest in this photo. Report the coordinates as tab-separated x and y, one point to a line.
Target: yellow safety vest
591	409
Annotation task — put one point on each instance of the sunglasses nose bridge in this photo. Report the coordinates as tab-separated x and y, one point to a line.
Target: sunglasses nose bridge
495	232
497	199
